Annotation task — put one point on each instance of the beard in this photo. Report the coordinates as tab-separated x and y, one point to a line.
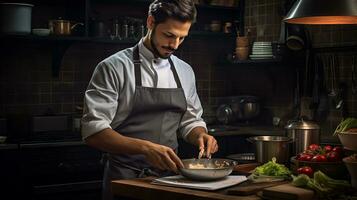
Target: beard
154	46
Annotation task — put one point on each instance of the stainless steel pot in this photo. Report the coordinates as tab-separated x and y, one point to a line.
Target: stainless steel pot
248	108
303	134
207	169
267	147
237	108
15	18
62	27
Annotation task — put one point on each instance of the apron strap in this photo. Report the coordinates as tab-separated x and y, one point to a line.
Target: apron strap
137	66
173	69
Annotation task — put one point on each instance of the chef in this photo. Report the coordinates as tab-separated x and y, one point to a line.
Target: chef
140	99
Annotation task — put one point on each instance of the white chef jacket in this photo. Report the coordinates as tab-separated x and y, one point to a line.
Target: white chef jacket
109	96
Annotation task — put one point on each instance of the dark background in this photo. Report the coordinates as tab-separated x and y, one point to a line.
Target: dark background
31	87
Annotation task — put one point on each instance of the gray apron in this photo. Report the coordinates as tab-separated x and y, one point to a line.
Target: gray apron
155	116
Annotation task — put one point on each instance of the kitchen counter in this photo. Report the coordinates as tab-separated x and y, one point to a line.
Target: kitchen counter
51	144
251	131
142	189
6	146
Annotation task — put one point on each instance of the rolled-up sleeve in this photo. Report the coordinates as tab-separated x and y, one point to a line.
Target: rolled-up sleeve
100	100
193	115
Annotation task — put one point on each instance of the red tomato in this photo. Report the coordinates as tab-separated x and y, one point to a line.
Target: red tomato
306	170
338	150
305	157
333	156
327	148
314	147
310	152
319	158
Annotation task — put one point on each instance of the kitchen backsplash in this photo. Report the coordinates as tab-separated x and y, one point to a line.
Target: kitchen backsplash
28	86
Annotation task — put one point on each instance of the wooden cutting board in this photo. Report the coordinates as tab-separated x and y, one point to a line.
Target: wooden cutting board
287	192
249	188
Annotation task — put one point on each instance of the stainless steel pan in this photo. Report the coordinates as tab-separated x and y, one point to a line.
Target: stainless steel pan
207	169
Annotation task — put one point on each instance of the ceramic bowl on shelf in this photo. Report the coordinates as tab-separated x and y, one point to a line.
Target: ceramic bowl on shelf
348	140
41	31
2	139
351	165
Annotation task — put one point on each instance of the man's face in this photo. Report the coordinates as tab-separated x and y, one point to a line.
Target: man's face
166	37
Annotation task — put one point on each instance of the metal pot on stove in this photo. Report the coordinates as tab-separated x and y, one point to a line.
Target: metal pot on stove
62	27
237	108
303	134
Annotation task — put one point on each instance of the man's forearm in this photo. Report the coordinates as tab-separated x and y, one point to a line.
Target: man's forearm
111	141
194	134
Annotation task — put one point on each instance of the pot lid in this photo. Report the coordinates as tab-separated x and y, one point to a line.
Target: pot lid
301	124
17	4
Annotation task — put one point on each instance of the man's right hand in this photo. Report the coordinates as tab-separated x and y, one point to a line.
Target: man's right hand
162	157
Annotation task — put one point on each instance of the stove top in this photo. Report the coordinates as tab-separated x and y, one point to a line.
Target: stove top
220	128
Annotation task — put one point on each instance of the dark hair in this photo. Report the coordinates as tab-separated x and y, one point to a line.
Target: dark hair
181	10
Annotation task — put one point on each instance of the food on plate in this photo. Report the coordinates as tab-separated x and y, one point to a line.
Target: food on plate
314	147
319	158
304	157
353	157
272	168
347	125
196	166
333	156
306	170
317	153
323	185
328	148
269	172
216	165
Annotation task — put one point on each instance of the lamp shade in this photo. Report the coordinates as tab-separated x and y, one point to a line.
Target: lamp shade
323	12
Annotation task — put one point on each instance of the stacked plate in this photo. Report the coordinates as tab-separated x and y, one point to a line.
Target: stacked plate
261	50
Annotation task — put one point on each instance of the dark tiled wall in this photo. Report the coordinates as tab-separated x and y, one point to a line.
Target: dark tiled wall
29	88
263	20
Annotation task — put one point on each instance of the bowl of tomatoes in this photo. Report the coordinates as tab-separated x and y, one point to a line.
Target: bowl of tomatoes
327	159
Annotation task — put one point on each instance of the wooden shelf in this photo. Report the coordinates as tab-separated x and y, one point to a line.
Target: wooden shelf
211	34
250	62
214	7
59	44
52	38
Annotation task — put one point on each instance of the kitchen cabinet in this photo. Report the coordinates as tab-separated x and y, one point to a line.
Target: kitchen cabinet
122	22
59	170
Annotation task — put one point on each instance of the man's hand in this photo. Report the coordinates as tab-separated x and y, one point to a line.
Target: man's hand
162	157
206	143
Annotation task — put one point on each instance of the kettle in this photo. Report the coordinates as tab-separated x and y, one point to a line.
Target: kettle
237	108
303	134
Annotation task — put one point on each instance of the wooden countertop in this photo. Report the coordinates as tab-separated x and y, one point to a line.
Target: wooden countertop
144	190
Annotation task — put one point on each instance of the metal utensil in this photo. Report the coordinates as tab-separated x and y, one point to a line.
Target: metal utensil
203	154
354	81
333	76
207	169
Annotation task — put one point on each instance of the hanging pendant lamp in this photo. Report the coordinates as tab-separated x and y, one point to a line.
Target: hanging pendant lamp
323	12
